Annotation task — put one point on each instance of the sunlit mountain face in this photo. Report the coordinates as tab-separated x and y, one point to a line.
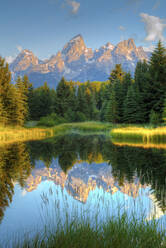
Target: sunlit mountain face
45	181
79	63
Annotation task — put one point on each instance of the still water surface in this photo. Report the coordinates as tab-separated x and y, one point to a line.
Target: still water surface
54	181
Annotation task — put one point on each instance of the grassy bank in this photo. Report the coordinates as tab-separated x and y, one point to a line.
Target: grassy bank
16	134
119	133
88	127
116	233
140	134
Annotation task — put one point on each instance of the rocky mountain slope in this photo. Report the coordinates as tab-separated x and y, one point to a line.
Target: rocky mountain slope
77	62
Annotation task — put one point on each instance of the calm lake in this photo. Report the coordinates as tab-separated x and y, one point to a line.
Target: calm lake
54	181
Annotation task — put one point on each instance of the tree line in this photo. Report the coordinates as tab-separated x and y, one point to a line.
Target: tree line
13	97
121	99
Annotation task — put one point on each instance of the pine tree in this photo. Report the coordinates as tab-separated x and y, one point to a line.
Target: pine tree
105	98
127	81
46	100
5	80
100	97
15	107
22	100
111	111
119	95
157	67
117	74
156	83
130	106
141	81
70	111
82	105
103	110
164	111
27	84
28	87
154	118
3	114
64	93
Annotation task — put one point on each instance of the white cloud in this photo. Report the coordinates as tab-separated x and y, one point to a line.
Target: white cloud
122	28
74	5
19	48
154	27
9	59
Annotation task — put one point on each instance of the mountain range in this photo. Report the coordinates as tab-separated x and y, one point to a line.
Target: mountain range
78	63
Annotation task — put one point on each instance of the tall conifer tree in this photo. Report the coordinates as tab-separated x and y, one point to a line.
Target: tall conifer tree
155	87
5	80
130	106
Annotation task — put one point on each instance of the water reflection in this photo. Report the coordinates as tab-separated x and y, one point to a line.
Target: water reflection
83	167
15	166
127	163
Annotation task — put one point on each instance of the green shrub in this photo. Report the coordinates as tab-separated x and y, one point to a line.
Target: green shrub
80	116
51	120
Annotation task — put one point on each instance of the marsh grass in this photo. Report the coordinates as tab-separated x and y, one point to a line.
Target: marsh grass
119	132
16	134
139	135
88	127
115	233
88	229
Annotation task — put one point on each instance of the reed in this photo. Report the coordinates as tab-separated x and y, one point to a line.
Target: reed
65	225
140	134
16	134
115	233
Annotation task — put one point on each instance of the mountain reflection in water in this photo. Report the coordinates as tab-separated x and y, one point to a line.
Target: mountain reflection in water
80	165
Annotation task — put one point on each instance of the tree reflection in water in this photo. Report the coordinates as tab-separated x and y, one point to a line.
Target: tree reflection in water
17	160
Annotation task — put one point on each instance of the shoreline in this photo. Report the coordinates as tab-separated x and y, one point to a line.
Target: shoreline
138	136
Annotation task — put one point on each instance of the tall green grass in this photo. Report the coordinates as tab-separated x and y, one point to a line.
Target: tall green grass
32	132
84	127
115	233
87	229
139	134
18	134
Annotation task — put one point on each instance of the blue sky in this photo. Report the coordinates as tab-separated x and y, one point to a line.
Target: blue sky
44	26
